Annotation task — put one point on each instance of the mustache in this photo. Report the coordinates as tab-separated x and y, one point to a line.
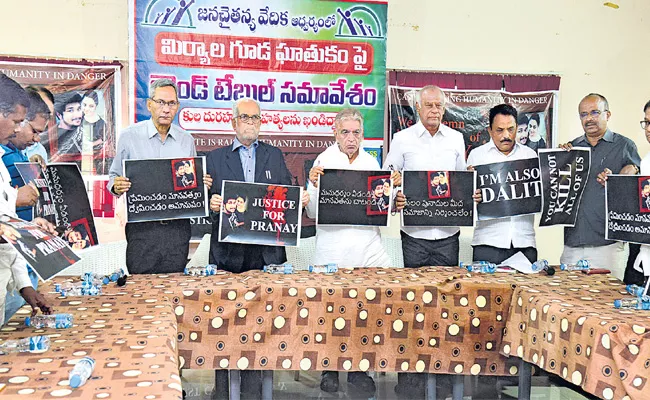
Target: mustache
506	140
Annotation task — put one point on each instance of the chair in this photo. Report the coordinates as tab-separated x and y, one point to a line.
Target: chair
201	256
300	257
102	259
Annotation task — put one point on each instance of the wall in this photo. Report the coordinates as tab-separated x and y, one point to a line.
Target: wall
592	47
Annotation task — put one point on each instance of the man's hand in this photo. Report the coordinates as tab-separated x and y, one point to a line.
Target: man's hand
215	203
471	168
36	300
314	172
396	177
207	180
121	185
602	177
45	225
566	146
38	159
27	196
305	199
477	196
400	200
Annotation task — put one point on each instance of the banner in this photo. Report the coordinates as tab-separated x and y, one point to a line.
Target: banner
467	111
509	188
302	60
627	206
73	214
32	173
347	197
47	254
166	188
438	198
85	118
260	213
564	176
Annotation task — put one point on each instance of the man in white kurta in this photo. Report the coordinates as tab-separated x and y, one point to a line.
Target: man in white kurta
348	246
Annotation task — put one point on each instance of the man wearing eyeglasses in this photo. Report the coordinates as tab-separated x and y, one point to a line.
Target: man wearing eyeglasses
611	153
34	123
157	246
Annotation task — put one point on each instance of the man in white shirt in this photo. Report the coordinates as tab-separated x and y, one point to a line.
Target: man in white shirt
343	245
496	240
428	145
13	267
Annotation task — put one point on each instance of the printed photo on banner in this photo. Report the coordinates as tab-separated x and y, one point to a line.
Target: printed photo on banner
259	213
439	187
166	188
348	197
47	254
379	188
509	188
301	74
78	235
564	175
627	208
184	174
430	200
644	195
467	112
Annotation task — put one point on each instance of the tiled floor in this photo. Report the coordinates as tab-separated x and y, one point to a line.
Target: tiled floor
199	385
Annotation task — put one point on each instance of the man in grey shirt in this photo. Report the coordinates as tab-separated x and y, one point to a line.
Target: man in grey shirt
157	246
611	153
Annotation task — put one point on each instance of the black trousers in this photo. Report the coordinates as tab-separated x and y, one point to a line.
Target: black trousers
632	276
497	255
157	247
424	253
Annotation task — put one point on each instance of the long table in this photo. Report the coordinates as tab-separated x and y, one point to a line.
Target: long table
130	334
569	327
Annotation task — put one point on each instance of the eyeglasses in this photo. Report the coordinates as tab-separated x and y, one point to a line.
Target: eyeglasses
592	113
644	124
356	133
162	103
245	118
24	123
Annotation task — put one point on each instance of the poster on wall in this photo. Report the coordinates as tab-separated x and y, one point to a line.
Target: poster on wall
85	115
302	60
356	198
168	188
260	213
438	198
509	188
47	254
467	111
564	176
627	206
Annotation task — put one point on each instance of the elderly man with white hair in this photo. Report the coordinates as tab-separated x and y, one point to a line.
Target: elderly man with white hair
348	246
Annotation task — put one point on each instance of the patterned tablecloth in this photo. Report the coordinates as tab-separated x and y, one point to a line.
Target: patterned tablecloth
130	334
437	320
569	327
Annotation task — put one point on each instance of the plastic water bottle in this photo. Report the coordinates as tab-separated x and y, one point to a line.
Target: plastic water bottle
85	289
635	290
542	265
58	321
329	268
81	372
208	270
33	343
480	266
285	268
639	303
115	275
579	266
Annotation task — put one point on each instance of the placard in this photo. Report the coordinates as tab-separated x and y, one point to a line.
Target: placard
47	254
361	198
32	173
166	188
260	213
438	198
509	188
564	175
627	206
73	213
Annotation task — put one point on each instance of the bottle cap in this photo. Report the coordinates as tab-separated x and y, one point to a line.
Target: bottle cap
75	381
617	303
562	267
28	321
